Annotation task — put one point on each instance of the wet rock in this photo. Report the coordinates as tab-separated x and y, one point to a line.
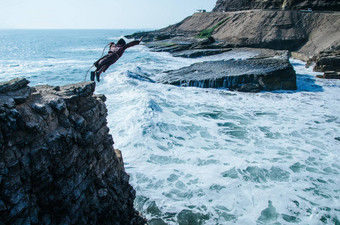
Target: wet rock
327	61
245	75
57	162
13	85
329	75
200	52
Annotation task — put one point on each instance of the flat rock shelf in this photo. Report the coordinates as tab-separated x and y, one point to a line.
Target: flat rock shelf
250	75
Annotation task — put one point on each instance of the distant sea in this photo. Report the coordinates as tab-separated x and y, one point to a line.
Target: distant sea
201	156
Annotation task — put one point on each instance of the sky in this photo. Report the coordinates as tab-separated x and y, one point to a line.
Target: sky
97	14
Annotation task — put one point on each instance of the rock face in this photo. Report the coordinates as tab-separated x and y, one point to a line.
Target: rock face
57	162
250	75
328	61
236	5
307	33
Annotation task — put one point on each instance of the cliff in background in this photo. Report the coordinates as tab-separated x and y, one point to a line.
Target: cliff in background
236	5
57	161
311	35
308	33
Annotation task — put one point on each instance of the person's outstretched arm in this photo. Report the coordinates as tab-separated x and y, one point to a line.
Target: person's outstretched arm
133	43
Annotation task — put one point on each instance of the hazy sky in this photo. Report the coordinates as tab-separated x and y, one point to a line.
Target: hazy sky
128	14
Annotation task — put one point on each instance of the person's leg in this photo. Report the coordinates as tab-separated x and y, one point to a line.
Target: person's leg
99	72
93	73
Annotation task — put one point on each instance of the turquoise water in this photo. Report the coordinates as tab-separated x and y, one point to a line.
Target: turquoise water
52	56
201	156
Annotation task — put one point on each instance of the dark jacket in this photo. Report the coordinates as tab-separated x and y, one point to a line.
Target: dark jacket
115	52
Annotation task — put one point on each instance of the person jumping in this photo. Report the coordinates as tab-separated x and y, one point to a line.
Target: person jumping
115	52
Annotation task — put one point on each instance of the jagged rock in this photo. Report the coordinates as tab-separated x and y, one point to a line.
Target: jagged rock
327	61
57	162
245	75
14	92
13	85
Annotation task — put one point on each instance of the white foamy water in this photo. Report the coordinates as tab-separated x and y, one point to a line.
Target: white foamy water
212	156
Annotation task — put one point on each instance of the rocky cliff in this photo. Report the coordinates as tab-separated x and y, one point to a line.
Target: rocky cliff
57	161
309	35
304	32
237	5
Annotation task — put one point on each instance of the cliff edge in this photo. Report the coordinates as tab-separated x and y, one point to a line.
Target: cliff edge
57	161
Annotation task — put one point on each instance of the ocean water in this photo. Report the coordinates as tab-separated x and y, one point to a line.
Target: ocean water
201	156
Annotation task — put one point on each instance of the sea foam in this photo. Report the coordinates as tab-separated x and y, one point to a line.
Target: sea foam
216	156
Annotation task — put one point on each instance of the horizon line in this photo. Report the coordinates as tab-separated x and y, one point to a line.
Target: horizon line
11	28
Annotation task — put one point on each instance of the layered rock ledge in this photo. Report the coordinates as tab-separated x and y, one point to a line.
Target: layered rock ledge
57	161
311	35
250	75
307	33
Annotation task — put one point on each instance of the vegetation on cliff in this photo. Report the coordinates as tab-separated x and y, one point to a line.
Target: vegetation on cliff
208	32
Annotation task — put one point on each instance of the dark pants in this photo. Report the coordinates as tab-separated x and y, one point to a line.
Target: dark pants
105	62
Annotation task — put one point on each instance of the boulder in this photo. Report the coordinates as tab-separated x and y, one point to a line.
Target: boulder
13	85
253	75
